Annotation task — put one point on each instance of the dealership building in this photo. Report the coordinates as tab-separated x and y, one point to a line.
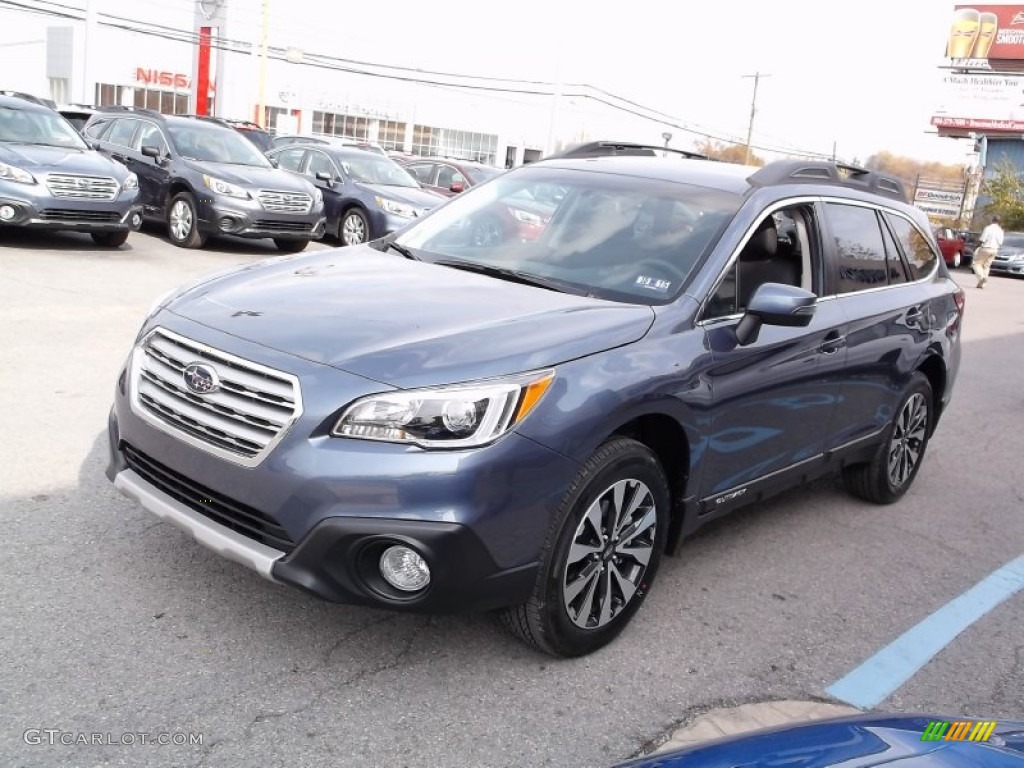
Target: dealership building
193	63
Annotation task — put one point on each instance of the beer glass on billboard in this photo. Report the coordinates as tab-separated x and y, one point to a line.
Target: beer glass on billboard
987	28
963	33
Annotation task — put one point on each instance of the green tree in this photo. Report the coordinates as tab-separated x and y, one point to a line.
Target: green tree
1004	191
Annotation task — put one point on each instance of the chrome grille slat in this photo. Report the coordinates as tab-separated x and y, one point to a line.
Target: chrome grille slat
82	187
249	379
227	403
241	420
278	201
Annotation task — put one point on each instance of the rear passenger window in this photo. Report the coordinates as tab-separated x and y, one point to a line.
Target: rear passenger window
896	268
919	253
859	249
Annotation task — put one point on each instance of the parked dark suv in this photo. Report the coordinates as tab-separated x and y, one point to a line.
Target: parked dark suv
433	423
203	178
51	179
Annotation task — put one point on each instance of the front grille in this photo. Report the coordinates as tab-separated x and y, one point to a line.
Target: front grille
64	214
82	187
231	514
239	420
283	226
285	202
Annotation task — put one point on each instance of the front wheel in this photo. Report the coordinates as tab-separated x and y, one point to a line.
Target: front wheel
290	246
354	228
183	222
895	464
110	239
601	555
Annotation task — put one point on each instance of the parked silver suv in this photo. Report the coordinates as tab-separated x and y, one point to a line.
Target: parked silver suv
51	179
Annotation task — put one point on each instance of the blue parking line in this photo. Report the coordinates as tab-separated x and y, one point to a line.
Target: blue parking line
872	682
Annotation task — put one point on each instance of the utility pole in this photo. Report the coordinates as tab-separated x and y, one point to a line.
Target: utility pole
753	110
261	113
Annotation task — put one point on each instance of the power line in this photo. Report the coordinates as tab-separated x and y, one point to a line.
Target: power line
350	66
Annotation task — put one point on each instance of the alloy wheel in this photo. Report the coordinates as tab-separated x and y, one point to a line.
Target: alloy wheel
609	554
181	220
908	439
353	231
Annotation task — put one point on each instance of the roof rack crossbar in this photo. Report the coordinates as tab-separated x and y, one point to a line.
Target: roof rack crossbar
136	110
606	148
827	172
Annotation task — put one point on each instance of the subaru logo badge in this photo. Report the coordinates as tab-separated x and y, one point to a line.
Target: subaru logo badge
201	378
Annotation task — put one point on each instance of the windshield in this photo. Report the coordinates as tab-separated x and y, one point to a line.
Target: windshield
622	238
215	144
369	168
36	126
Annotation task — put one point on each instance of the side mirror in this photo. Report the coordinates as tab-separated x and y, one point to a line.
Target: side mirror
457	186
775	304
325	177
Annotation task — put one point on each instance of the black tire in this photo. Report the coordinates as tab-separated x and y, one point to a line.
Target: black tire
110	239
183	222
545	621
290	246
891	472
353	229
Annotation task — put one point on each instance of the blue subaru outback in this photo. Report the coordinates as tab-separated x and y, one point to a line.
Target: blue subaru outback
429	422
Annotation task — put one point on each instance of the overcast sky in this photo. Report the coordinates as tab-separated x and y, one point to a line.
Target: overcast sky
864	75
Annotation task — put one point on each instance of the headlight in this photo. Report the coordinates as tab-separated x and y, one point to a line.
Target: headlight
461	416
526	217
131	182
318	196
222	187
395	207
12	173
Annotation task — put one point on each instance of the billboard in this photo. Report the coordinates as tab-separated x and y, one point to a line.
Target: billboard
986	37
939	202
981	102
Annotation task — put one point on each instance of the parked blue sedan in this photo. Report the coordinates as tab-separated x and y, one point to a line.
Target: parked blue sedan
366	196
861	740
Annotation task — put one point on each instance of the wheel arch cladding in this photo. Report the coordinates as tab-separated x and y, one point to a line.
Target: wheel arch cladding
934	370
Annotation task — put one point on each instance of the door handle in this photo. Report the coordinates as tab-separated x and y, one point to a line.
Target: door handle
832	343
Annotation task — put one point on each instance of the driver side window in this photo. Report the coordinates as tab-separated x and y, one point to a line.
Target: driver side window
778	250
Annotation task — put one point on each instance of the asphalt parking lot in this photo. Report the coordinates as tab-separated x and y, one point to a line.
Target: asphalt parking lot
115	623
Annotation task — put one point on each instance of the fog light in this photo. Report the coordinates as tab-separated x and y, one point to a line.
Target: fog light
7	212
404	569
227	224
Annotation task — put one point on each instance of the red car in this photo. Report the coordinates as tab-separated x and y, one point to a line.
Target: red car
952	245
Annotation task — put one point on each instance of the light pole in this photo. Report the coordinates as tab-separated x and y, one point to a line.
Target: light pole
667	137
753	110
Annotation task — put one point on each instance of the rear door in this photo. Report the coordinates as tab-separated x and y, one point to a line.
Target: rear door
881	268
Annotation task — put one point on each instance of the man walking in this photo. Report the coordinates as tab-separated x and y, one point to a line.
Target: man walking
985	253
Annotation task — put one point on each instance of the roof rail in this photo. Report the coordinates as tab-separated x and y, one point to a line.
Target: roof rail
606	148
136	110
827	172
29	97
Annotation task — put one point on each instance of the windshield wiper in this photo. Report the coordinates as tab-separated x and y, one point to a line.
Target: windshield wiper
402	250
514	276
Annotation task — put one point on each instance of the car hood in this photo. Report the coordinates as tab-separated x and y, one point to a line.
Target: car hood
861	740
420	198
1010	252
252	176
407	323
39	159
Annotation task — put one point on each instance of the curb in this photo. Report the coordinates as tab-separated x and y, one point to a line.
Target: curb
730	721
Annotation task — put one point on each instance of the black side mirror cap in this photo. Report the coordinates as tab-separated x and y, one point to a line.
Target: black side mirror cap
776	304
152	151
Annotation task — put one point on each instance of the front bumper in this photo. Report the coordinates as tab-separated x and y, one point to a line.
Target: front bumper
247	218
45	212
317	512
1007	267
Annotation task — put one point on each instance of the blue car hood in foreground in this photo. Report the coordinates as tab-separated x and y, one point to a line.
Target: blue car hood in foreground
860	741
407	323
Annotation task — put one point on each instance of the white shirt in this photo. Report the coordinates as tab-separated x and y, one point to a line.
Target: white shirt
992	236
